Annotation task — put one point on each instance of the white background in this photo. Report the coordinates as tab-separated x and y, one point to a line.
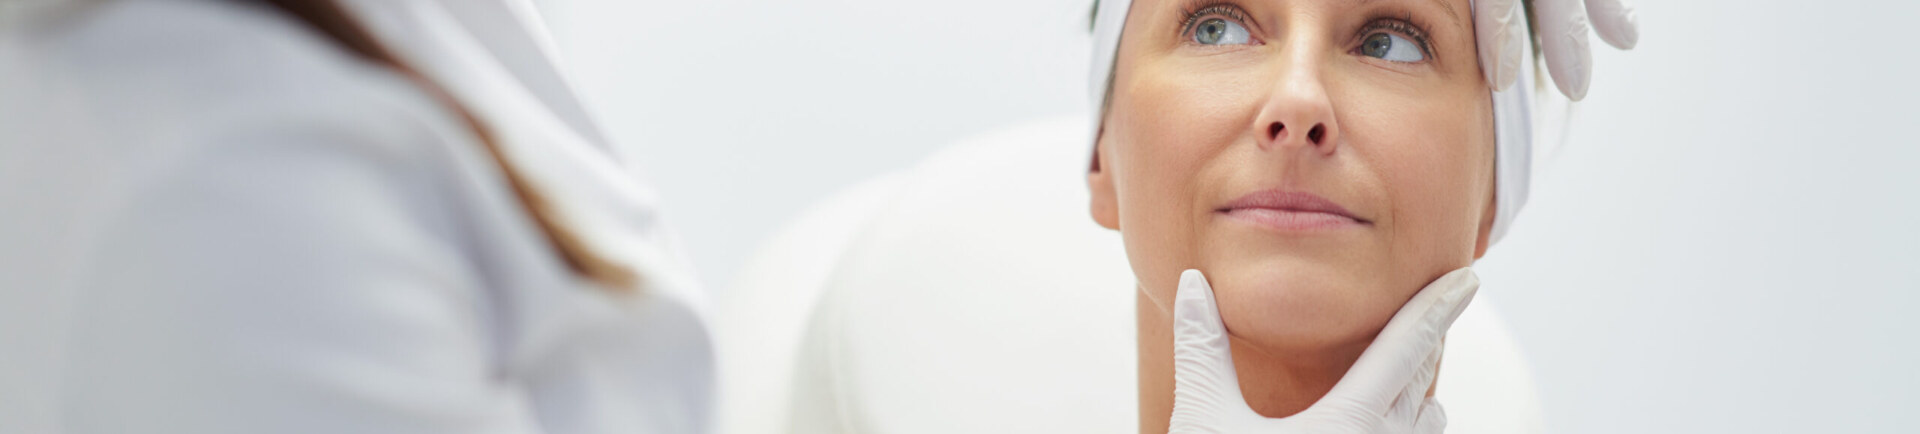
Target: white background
1728	242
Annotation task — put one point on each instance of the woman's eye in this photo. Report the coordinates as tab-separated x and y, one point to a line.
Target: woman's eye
1391	47
1220	31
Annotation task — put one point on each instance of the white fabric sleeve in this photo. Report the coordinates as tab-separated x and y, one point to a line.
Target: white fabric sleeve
287	276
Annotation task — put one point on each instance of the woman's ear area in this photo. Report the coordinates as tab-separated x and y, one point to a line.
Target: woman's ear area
1103	204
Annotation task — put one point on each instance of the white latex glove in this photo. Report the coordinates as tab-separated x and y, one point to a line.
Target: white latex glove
1384	392
1500	26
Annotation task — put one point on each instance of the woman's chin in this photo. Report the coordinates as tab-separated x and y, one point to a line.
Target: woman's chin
1299	306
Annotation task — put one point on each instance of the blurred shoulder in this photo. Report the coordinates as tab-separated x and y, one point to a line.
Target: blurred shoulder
175	73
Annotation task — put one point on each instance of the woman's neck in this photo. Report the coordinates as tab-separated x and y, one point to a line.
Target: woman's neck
1276	383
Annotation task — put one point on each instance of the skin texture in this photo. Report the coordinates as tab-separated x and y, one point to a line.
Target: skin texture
1407	148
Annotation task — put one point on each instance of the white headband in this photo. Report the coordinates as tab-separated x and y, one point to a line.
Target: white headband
1512	114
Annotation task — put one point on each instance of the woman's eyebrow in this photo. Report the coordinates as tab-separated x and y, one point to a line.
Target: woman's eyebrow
1454	17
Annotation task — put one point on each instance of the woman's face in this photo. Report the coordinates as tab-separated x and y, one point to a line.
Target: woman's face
1319	160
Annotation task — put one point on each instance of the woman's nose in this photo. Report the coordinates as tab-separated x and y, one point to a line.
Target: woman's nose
1298	113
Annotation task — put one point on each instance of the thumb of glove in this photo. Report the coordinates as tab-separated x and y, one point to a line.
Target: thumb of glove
1206	390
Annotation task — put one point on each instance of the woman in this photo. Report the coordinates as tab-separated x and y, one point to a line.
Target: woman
1320	163
328	216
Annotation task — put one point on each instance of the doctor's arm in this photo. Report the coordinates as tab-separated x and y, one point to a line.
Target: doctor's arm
300	277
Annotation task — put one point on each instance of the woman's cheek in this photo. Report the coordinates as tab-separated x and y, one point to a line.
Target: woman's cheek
1174	134
1145	188
1430	160
1155	218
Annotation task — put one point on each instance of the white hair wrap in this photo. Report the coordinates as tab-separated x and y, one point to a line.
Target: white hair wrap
1512	114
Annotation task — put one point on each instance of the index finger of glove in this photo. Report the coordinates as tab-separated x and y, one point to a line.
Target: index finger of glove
1394	361
1494	33
1615	22
1564	42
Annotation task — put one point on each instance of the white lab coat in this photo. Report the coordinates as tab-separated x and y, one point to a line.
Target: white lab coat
212	220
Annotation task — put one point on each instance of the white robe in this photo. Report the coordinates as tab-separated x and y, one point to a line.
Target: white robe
214	220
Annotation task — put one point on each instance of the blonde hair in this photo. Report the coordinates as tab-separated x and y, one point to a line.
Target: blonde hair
328	18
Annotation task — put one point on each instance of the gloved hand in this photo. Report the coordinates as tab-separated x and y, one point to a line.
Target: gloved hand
1500	26
1384	392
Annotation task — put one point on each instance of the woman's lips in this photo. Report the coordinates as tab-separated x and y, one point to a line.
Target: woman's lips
1291	211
